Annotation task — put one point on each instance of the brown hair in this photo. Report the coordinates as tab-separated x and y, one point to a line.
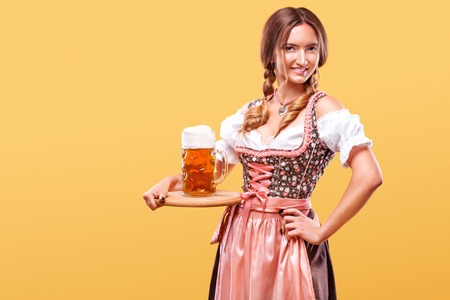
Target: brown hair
274	36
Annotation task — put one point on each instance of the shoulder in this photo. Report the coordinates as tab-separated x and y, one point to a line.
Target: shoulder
327	104
242	110
235	120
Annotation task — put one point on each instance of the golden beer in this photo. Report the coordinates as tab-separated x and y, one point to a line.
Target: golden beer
198	172
198	162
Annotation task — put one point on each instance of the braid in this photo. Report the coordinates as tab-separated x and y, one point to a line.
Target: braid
314	80
258	115
269	76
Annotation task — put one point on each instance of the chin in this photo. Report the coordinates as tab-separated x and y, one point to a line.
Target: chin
302	80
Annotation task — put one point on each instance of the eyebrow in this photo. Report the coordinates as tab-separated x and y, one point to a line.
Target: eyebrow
308	45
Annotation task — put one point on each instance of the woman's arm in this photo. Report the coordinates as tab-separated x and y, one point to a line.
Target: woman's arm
366	178
160	190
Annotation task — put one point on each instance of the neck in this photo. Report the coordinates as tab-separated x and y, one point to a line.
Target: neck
287	92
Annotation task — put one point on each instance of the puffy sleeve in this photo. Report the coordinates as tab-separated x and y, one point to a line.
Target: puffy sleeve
341	131
229	131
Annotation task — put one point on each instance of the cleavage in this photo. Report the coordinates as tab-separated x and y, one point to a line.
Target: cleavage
268	130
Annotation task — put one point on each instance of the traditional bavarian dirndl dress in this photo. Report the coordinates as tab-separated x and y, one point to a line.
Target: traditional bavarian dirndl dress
254	260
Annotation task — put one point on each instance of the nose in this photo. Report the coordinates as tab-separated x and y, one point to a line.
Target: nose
301	58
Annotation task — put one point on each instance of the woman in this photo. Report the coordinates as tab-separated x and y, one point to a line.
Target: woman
272	245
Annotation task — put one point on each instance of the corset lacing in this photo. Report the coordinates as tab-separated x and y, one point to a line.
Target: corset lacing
259	187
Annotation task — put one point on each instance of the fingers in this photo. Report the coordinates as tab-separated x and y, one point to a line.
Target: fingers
291	211
294	226
160	200
150	200
154	201
297	225
290	215
292	220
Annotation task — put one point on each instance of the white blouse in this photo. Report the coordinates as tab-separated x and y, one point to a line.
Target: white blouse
339	130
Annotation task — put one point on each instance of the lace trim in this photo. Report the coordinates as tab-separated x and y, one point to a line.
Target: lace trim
328	116
359	140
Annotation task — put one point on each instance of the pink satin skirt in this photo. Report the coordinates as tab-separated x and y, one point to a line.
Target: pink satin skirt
255	261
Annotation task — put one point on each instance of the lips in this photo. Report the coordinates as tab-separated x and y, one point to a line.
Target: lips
300	71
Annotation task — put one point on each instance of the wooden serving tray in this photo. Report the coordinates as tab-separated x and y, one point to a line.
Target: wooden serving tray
221	198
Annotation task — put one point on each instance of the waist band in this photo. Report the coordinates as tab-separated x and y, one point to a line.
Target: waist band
273	204
254	201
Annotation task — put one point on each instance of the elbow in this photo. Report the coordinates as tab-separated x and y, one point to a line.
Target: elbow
366	169
375	180
378	182
369	179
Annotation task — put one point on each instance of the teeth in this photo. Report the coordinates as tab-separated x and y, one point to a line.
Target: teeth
298	70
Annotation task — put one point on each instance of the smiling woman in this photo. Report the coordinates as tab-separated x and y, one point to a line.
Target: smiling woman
272	245
94	96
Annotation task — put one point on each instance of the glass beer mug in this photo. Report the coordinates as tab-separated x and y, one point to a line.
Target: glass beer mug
199	160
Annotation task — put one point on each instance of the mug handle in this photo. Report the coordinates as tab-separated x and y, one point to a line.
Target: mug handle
224	166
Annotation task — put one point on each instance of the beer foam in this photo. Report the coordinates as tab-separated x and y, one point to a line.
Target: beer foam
198	137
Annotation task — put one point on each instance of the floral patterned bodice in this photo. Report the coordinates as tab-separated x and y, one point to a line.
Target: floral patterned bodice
293	173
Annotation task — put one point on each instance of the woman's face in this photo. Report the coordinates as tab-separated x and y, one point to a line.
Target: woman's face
301	56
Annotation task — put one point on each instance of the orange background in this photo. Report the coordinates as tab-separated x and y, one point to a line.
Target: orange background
94	96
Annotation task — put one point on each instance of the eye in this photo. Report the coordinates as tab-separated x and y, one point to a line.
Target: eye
289	49
312	49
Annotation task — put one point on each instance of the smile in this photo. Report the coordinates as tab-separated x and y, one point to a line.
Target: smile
300	71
